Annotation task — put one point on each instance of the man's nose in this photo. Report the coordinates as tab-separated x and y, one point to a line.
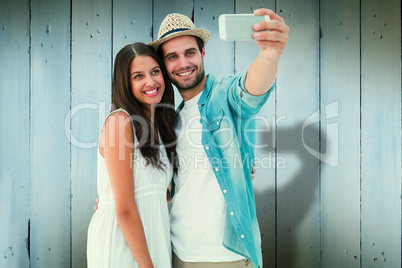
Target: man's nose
182	61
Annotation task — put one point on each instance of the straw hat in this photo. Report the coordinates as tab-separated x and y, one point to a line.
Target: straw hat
175	25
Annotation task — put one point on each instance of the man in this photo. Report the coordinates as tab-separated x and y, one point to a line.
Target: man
213	217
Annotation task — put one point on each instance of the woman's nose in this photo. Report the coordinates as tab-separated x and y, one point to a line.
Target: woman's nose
150	80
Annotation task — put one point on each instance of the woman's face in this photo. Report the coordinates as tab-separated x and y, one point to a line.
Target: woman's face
146	80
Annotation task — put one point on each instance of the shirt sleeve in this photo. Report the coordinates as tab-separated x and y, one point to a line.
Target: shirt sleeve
241	101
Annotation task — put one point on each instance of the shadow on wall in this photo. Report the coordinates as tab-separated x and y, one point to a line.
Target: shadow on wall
296	194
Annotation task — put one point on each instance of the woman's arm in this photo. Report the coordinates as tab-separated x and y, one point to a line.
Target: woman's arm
118	140
168	197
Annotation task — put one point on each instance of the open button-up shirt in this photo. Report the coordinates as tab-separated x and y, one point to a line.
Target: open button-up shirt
227	117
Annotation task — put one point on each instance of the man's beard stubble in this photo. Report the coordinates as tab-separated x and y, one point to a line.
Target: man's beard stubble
198	78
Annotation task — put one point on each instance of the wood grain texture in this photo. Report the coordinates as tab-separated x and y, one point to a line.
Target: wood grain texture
341	89
340	92
14	134
91	75
132	22
298	237
380	133
50	162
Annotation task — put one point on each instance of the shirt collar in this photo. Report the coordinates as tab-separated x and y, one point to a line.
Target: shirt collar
204	96
207	89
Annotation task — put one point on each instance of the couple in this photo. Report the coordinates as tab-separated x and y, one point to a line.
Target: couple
212	219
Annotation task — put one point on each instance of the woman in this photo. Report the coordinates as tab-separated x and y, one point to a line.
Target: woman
131	226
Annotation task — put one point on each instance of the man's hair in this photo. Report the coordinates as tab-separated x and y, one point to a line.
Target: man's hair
200	43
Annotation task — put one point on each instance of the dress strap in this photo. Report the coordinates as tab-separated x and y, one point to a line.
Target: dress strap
117	110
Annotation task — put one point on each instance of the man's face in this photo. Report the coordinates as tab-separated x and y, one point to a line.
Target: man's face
184	62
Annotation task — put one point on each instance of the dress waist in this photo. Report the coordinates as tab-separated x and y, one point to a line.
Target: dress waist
139	193
150	190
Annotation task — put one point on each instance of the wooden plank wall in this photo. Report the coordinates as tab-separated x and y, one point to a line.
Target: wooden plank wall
328	182
340	57
14	133
50	167
380	133
91	63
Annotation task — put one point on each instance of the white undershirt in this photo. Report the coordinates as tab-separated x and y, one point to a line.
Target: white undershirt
198	211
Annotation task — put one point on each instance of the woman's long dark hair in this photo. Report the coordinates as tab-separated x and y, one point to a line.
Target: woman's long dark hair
122	97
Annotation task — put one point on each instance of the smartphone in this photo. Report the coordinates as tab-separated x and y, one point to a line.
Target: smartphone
238	26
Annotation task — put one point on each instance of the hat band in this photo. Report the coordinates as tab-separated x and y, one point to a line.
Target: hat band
174	31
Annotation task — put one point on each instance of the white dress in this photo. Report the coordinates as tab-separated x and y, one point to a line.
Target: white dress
106	246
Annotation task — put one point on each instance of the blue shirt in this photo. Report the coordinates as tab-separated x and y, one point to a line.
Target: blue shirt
227	117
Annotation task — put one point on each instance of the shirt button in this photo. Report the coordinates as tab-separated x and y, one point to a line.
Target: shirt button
224	191
217	122
207	147
242	236
216	169
232	213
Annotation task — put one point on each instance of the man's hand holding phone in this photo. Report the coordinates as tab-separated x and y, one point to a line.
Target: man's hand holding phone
271	36
264	26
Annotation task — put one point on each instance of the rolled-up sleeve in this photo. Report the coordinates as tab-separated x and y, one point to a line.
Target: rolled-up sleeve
241	101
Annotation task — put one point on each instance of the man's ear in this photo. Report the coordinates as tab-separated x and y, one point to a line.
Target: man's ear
203	53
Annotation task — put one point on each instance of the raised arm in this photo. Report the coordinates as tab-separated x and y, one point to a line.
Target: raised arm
118	139
271	37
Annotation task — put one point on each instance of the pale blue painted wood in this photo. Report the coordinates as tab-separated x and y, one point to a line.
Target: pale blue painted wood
264	183
14	133
132	22
50	149
35	172
298	238
219	55
380	133
340	129
91	96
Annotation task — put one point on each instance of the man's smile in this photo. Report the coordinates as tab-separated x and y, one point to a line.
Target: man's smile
186	73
